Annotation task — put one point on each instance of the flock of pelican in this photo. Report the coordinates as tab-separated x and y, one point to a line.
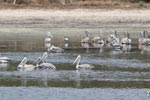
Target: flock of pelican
40	64
113	41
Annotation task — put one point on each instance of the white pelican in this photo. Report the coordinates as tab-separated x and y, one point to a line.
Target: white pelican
126	39
144	40
41	64
55	49
81	66
87	38
48	40
98	39
112	35
25	67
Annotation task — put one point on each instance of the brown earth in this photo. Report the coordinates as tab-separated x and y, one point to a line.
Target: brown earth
72	16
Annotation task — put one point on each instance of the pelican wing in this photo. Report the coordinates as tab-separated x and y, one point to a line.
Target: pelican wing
46	66
56	49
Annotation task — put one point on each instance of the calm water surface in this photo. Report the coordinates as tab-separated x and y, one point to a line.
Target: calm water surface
116	76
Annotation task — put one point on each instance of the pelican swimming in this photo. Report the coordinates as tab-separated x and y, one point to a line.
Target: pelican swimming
26	67
41	64
81	66
55	49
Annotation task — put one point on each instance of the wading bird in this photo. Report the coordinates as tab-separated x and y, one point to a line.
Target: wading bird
81	66
126	39
26	67
41	64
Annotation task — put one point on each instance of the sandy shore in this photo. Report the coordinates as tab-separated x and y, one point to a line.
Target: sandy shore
74	18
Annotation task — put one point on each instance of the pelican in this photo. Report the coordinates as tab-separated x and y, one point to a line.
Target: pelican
55	49
126	39
144	40
48	40
41	64
81	66
115	43
98	39
86	39
112	35
25	67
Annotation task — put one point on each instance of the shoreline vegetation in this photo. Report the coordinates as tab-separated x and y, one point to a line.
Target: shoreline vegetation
74	13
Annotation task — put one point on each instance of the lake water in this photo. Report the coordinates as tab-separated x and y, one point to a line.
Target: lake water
117	75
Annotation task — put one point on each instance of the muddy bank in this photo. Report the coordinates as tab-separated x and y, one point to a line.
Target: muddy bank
74	18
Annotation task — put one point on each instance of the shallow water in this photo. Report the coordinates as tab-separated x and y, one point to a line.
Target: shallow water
117	75
111	71
32	93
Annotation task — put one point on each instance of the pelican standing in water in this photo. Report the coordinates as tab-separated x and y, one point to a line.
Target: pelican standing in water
41	64
98	39
126	39
81	66
26	67
144	40
48	40
87	38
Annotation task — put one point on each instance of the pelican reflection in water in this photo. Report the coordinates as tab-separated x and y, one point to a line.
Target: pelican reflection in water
81	66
